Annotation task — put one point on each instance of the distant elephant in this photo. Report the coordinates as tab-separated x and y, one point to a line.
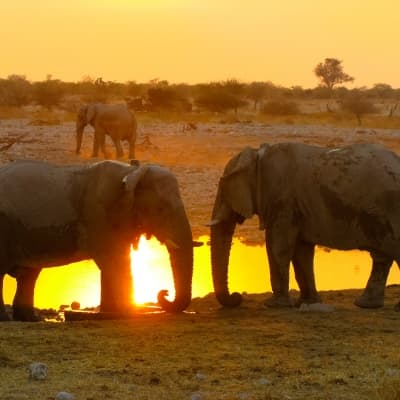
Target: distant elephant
114	120
54	215
343	198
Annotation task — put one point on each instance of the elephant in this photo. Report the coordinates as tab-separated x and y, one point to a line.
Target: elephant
53	215
342	198
114	120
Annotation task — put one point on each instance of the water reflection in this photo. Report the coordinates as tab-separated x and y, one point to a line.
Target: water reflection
152	272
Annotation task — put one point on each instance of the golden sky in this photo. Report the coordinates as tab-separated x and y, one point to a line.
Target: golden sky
200	40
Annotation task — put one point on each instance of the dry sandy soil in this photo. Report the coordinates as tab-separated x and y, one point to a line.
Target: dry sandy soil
207	353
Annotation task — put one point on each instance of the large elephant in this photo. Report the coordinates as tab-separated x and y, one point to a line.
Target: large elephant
343	198
114	120
53	215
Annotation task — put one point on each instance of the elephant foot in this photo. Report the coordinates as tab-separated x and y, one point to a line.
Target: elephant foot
25	314
365	301
279	302
4	316
308	300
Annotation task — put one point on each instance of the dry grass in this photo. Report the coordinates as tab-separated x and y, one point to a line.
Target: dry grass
246	353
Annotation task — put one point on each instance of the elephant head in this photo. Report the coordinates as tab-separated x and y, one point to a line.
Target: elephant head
236	200
157	209
86	115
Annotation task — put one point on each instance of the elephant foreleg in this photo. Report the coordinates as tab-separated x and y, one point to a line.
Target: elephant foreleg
116	280
3	314
280	246
96	144
373	295
303	263
23	300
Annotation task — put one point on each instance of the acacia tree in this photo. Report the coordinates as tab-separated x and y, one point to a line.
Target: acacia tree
331	73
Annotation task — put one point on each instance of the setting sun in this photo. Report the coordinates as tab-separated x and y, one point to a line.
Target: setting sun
151	271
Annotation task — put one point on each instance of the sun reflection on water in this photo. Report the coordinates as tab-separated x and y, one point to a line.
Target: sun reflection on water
248	271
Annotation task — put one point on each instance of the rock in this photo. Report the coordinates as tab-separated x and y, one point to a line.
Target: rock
37	371
316	307
200	377
196	396
64	396
263	381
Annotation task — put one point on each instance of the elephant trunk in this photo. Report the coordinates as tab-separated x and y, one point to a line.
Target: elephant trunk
79	133
221	241
181	257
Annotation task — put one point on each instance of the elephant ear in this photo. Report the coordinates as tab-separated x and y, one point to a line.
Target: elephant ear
91	112
133	178
236	183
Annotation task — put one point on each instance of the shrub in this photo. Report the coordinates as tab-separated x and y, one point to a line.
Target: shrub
15	91
280	107
48	93
357	104
164	97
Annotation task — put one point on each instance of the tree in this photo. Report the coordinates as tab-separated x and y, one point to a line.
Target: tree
219	97
357	103
331	73
163	96
16	90
48	93
256	92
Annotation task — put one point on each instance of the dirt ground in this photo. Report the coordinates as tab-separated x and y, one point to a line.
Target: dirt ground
206	353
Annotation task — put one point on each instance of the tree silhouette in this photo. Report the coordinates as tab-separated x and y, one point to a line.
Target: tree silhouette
331	73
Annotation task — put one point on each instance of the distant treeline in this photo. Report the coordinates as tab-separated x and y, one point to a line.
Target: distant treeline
222	96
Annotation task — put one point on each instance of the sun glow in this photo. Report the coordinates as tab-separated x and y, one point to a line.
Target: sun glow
151	271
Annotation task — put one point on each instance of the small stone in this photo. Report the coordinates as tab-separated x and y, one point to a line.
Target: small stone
316	307
37	371
64	396
196	396
263	381
201	377
393	372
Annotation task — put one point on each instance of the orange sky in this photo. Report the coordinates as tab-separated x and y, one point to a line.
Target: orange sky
200	40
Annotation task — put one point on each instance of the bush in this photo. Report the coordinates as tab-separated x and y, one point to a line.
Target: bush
280	107
15	91
48	93
357	104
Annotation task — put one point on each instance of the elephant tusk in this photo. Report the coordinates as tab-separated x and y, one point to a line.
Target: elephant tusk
213	222
171	244
195	243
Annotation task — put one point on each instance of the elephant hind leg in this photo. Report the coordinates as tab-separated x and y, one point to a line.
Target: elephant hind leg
303	263
3	313
118	147
23	300
132	149
373	295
